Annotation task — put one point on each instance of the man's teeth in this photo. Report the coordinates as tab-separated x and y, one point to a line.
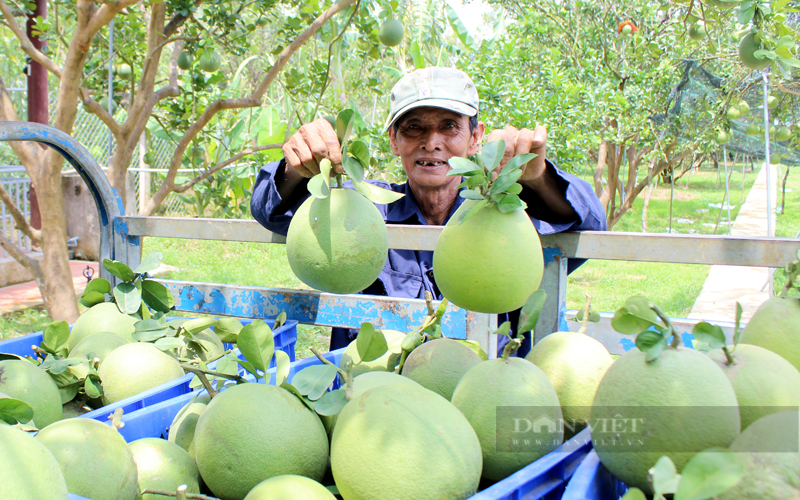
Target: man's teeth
431	163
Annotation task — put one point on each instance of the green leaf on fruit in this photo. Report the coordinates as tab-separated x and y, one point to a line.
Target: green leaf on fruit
169	343
118	269
737	332
151	335
371	343
257	344
315	380
227	329
469	194
594	316
411	341
318	187
331	403
651	343
529	315
475	347
93	386
472	211
492	154
99	285
463	166
664	477
712	335
708	474
325	171
504	329
282	366
510	202
376	194
635	316
55	337
360	151
280	320
157	296
344	124
353	168
515	189
89	299
249	367
128	298
289	387
505	181
197	325
13	411
149	263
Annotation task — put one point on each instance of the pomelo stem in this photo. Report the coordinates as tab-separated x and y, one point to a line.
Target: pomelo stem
676	338
339	180
345	374
511	348
728	355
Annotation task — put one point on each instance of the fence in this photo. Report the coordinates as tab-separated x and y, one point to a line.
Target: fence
17	186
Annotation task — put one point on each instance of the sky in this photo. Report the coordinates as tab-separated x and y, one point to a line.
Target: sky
471	14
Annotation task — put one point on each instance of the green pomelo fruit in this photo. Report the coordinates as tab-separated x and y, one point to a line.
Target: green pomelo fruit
289	487
210	61
675	405
337	244
772	130
181	431
783	133
32	385
185	60
772	101
775	326
386	363
491	262
99	344
104	317
574	363
768	452
697	32
438	365
507	447
384	438
134	368
94	458
261	22
212	346
391	33
626	30
734	113
124	70
747	48
104	104
764	382
237	446
744	108
775	159
752	130
164	466
722	137
28	470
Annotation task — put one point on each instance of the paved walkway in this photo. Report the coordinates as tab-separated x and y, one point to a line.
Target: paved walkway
25	295
726	285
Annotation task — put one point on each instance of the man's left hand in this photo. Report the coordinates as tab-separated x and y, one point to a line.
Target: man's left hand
524	141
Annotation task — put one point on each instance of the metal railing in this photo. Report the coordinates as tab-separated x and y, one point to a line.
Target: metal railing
18	188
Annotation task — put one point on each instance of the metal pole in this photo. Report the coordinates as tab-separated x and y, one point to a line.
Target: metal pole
110	83
767	165
727	194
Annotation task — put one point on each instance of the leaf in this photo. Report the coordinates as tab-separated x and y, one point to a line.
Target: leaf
314	380
318	187
504	329
344	124
510	202
118	269
664	476
371	343
469	194
463	166
517	162
635	316
360	151
737	332
157	296
325	171
634	494
93	386
458	27
55	336
197	325
651	343
411	341
505	181
283	364
331	403
249	367
257	344
475	347
708	474
151	335
472	211
128	297
744	16
515	189
227	329
289	387
280	320
99	285
784	52
150	262
89	299
529	314
492	154
14	410
169	343
353	168
377	194
710	334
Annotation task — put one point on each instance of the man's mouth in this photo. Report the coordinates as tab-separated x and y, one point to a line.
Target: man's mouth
423	163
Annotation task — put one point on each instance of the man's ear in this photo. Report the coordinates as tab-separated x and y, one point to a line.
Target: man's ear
475	140
393	141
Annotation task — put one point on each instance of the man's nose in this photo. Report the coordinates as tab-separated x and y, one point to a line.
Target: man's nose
432	141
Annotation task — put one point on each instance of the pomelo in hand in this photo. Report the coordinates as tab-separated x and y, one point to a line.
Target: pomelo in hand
30	384
289	487
776	326
134	368
387	362
28	470
94	458
104	317
764	382
506	445
164	466
337	244
490	262
677	405
439	364
401	442
769	451
574	363
100	344
252	432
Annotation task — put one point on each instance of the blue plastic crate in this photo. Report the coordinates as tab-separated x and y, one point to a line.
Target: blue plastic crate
592	481
285	340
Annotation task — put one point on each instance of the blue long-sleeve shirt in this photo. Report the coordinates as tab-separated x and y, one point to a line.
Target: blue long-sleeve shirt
409	273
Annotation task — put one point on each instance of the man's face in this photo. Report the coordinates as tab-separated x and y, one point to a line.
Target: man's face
426	138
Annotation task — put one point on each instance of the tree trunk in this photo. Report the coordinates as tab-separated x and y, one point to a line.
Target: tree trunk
783	190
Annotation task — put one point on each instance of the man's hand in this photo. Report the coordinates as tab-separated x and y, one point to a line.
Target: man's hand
524	141
309	145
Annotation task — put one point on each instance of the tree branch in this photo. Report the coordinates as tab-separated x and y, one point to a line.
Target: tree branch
219	166
105	116
19	219
25	42
787	90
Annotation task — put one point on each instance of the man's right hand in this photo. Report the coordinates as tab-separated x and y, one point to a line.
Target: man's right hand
309	145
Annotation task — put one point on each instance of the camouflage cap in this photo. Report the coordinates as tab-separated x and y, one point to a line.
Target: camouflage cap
446	88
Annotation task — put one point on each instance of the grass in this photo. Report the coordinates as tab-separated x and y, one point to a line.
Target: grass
23	322
787	224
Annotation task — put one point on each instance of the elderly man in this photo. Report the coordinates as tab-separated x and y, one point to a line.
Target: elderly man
433	117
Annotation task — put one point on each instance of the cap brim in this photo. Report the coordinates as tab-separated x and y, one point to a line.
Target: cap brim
456	106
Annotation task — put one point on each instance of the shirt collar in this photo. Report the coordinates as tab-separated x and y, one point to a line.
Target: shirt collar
406	211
